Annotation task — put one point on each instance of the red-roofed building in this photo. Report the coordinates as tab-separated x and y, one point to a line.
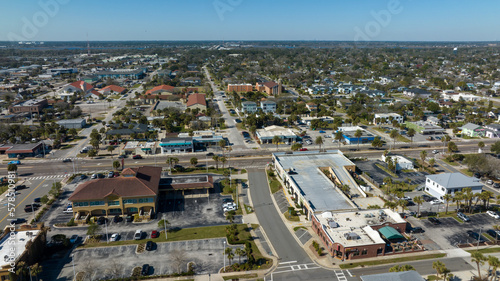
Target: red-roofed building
160	90
272	88
113	89
93	95
75	88
197	101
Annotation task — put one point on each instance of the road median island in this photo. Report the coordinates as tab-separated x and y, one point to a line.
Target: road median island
390	261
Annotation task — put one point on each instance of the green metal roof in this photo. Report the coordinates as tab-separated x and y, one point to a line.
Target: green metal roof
390	233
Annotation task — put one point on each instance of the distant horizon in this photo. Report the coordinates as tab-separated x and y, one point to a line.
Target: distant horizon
256	40
256	20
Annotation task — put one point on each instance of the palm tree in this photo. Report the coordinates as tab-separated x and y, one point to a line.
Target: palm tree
339	137
116	164
391	205
22	270
481	145
402	203
276	140
223	160
319	141
222	144
36	269
479	259
394	135
432	162
240	252
418	200
458	197
194	161
229	253
358	135
216	159
493	264
387	181
411	133
438	266
110	148
423	155
468	197
447	197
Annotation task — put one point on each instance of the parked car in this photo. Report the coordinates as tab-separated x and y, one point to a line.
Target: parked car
493	233
155	234
117	219
18	221
434	221
427	198
145	270
114	237
463	217
37	200
30	208
111	174
20	187
137	157
435	202
149	246
496	185
129	219
82	177
73	239
101	220
138	235
416	230
493	214
473	235
94	176
227	200
101	176
490	182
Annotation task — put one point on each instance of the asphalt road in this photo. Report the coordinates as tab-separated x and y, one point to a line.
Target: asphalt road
294	263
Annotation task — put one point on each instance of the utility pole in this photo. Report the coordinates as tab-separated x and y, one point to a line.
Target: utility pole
106	225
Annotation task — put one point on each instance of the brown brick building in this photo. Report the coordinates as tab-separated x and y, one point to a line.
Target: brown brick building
32	106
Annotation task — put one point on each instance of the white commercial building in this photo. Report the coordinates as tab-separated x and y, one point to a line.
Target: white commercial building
386	117
449	183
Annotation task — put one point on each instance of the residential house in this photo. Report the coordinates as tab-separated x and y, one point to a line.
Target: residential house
312	106
248	107
93	95
417	93
473	130
113	89
191	81
492	131
162	89
449	183
75	88
268	106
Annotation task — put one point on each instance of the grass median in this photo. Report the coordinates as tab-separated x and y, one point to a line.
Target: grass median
390	261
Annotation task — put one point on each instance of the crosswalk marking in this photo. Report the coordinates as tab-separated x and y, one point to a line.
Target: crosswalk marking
289	266
340	275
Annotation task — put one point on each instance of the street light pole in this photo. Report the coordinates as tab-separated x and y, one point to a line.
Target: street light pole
73	261
165	225
106	225
224	256
478	238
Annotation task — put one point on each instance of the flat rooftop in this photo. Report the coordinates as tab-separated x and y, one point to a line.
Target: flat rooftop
17	246
354	228
316	188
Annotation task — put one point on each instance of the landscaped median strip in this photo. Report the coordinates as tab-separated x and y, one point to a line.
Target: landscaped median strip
389	261
485	250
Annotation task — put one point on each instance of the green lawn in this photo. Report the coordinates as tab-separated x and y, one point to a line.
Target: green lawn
466	172
174	235
275	185
386	170
389	261
290	217
450	163
486	250
242	276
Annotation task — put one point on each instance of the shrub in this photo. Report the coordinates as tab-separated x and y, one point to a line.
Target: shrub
270	173
71	222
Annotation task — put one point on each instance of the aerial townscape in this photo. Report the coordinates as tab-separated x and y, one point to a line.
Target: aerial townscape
136	146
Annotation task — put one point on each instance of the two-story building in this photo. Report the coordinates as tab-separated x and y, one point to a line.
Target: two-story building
176	145
492	131
268	106
248	107
135	191
385	118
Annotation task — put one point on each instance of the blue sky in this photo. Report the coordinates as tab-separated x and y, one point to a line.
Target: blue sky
374	20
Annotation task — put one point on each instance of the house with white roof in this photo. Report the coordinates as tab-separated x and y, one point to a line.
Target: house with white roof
449	183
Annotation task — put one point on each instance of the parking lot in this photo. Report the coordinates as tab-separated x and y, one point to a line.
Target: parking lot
450	233
378	174
206	254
